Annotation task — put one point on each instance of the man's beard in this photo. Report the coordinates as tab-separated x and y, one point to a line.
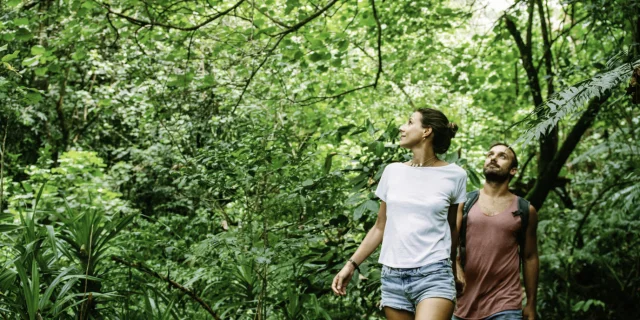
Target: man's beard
496	176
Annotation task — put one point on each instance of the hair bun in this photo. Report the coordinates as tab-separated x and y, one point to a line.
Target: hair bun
453	128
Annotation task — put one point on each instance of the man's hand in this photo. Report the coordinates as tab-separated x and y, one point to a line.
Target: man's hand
460	281
529	312
460	286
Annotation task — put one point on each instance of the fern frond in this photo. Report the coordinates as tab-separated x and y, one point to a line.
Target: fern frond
572	100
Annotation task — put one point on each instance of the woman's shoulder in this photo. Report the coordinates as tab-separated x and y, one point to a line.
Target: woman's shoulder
395	165
457	170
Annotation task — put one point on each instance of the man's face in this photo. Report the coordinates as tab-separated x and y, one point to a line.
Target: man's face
497	164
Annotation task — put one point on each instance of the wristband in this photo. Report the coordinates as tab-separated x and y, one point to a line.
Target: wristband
355	265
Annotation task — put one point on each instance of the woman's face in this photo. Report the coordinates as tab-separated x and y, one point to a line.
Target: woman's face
412	132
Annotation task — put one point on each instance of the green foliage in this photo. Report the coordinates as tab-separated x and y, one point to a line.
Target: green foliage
64	231
251	136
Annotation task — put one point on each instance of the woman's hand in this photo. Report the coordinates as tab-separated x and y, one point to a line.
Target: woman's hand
341	280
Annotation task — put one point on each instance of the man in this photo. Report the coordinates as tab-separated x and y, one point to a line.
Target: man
498	229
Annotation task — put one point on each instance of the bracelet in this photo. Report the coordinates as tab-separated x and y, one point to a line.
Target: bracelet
355	265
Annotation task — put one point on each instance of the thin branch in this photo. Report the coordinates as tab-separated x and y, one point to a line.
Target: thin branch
375	16
192	28
174	284
85	127
595	201
352	19
254	72
522	169
321	98
548	57
274	20
114	29
3	151
167	8
405	94
60	111
392	81
282	35
308	19
525	57
164	126
135	39
530	24
30	5
561	35
564	197
547	177
186	64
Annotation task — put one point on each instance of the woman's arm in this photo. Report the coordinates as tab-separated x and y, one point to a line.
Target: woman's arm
455	220
371	241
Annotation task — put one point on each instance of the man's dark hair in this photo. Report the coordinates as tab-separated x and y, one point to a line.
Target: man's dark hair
514	162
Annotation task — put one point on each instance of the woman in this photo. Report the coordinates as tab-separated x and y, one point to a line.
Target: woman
416	224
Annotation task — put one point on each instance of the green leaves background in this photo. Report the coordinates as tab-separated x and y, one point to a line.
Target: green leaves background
233	148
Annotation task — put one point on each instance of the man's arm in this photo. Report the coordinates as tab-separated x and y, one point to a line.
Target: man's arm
531	265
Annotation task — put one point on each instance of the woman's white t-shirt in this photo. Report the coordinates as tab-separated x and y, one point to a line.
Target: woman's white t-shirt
417	231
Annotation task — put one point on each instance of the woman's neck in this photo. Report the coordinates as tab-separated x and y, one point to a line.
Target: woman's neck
423	155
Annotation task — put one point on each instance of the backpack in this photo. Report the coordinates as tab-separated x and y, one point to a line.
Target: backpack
472	198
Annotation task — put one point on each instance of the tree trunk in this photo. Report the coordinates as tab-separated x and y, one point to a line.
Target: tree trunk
546	180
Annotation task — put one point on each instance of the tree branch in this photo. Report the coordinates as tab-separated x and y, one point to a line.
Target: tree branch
113	44
548	58
564	197
321	98
406	95
546	178
523	168
86	126
143	23
527	62
549	142
274	20
309	18
530	24
30	5
254	72
60	112
595	201
174	284
282	35
3	151
561	35
375	16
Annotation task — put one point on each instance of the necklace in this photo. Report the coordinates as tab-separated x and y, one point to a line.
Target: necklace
424	164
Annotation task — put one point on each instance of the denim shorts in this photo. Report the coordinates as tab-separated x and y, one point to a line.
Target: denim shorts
403	289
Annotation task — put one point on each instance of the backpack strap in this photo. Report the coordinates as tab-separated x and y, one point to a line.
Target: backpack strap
472	198
523	212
